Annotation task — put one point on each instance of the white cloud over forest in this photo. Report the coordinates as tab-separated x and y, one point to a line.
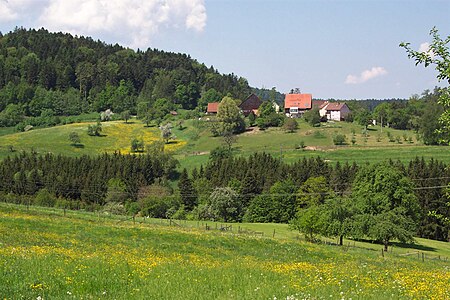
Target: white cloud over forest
366	75
131	22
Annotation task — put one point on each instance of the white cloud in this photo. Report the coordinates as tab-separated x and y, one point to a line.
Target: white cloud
366	75
13	10
131	22
425	47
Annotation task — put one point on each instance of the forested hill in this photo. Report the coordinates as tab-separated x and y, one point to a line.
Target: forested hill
68	74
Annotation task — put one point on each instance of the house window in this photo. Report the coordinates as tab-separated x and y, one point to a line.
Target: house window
293	110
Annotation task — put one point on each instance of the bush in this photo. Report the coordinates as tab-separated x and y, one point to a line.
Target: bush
62	203
339	139
272	120
290	125
45	198
312	117
114	208
158	207
131	207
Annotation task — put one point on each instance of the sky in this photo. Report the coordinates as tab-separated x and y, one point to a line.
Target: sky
331	49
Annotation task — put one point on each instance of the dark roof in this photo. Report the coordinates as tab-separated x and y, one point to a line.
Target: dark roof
335	106
319	103
252	102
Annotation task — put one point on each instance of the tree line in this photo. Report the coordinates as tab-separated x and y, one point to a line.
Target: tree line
258	188
61	74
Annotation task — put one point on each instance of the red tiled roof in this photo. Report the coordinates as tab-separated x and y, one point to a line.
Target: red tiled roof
302	101
213	107
335	106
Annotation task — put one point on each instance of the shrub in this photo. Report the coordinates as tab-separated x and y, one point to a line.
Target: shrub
45	198
290	125
339	139
312	117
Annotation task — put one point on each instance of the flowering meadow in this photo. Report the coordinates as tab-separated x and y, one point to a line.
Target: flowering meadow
46	255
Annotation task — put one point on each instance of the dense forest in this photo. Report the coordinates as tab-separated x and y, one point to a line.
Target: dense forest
260	188
43	73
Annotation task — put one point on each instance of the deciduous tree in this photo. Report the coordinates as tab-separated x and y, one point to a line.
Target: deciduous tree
386	207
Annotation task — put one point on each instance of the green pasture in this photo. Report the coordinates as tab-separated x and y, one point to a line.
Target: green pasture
193	142
45	254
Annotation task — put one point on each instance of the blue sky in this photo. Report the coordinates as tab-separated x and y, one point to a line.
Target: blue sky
332	49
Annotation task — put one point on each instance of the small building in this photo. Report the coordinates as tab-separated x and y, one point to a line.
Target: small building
250	104
337	111
320	105
213	108
295	105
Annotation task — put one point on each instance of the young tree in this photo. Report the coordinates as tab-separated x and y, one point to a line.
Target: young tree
337	216
95	130
224	205
229	139
126	115
229	116
166	132
290	125
310	218
74	138
137	145
364	118
309	221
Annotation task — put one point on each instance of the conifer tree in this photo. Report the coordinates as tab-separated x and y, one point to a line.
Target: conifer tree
187	191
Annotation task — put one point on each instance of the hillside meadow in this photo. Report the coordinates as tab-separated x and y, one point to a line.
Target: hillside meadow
44	253
193	142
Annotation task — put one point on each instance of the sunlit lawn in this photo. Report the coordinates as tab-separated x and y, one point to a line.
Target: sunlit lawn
45	254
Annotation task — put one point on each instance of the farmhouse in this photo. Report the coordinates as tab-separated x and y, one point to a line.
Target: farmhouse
335	111
251	104
295	105
212	109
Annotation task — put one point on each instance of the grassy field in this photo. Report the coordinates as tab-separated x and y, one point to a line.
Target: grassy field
46	254
194	142
116	136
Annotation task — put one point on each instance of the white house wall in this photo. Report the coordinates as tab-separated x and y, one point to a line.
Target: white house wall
335	115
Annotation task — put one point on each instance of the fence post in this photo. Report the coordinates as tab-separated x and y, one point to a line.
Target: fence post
273	235
382	252
423	257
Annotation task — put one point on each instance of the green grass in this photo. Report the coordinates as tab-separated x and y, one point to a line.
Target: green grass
6	130
194	142
84	255
116	136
